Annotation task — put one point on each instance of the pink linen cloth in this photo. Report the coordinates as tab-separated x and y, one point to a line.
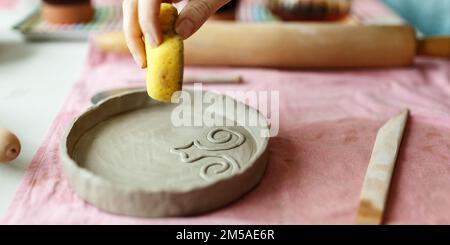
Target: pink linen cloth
8	4
328	122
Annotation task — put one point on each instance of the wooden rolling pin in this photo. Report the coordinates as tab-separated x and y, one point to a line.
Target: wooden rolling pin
9	146
291	45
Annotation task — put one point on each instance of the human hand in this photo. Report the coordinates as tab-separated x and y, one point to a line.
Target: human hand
140	19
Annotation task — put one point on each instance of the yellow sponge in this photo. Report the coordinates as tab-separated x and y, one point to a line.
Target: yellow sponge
165	62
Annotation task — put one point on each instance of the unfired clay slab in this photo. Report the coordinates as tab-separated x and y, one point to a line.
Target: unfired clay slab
125	156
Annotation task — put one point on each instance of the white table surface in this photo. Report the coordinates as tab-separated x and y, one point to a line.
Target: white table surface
34	81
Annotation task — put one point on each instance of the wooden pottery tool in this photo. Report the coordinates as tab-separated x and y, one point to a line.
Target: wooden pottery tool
135	156
9	145
379	172
291	45
438	46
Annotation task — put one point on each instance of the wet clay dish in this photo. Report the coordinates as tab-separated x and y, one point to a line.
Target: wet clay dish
126	156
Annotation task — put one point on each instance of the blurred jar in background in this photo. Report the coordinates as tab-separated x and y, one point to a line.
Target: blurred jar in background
309	10
67	11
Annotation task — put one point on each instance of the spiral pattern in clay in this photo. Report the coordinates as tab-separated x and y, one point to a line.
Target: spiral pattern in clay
218	164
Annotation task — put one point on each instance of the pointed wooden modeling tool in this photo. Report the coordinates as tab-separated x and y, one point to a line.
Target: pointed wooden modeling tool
381	167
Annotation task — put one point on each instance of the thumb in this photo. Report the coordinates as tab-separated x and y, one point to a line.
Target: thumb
195	14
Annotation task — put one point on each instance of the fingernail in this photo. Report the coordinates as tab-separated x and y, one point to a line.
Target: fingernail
151	41
185	28
137	60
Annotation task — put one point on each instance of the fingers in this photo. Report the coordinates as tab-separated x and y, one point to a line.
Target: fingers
149	21
141	18
132	31
195	14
